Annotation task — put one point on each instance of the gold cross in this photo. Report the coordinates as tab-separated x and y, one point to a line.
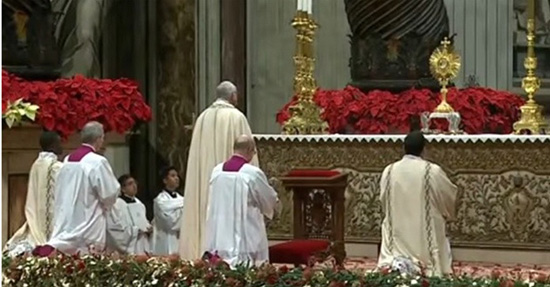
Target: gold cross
445	42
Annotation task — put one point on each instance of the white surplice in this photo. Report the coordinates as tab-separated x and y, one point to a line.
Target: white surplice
235	227
40	202
85	192
417	199
212	143
168	211
126	227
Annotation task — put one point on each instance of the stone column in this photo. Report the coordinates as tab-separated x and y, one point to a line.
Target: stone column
209	48
233	48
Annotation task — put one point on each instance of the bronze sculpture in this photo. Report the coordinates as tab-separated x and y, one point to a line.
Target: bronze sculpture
391	41
28	46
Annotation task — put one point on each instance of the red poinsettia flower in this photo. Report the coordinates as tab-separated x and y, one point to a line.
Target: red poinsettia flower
66	105
350	110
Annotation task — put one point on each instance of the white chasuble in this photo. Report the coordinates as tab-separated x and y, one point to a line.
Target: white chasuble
235	227
39	204
417	199
167	207
86	190
127	226
212	143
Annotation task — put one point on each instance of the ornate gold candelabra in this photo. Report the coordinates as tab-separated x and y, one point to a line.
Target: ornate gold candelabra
305	115
531	113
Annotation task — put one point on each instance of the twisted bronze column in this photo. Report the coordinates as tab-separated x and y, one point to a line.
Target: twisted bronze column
391	41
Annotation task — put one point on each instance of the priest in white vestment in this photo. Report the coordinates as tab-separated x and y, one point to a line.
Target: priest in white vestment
168	211
128	230
417	200
85	192
40	197
212	143
240	197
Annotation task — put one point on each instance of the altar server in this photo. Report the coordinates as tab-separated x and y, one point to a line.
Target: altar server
240	197
128	229
417	199
212	143
40	196
85	192
168	209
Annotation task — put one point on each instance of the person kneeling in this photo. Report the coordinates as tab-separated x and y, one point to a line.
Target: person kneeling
240	197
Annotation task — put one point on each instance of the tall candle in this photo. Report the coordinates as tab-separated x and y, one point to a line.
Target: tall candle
299	4
309	7
531	9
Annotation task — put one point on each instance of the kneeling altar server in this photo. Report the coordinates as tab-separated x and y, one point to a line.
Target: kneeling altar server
240	197
417	200
40	197
85	191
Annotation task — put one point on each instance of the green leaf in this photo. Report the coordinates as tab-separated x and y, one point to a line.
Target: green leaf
33	108
9	122
31	116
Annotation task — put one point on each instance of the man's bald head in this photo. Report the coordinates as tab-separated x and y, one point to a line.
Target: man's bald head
227	91
245	146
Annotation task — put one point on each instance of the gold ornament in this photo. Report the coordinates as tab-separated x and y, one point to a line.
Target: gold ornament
531	113
305	115
444	66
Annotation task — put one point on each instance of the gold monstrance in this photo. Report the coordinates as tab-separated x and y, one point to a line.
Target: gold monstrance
444	66
531	113
305	115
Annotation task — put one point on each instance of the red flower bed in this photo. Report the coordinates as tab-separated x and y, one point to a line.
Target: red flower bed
482	110
66	105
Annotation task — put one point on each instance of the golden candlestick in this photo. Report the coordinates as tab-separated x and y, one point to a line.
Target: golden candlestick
305	115
531	113
444	66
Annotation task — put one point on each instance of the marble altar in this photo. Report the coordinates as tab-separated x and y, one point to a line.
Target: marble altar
503	180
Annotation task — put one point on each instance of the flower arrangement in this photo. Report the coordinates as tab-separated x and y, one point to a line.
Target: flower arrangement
15	112
350	110
101	270
66	105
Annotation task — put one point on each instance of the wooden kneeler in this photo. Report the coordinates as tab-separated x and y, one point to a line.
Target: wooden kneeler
318	198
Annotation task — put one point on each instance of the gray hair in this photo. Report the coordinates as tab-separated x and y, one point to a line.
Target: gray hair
91	132
244	143
225	90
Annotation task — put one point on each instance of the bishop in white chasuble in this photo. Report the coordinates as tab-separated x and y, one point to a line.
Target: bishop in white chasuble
85	192
40	197
128	229
417	200
240	197
168	210
212	143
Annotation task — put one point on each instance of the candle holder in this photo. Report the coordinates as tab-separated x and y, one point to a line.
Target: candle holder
444	66
305	115
531	119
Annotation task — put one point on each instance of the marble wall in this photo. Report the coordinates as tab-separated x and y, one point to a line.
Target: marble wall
175	81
